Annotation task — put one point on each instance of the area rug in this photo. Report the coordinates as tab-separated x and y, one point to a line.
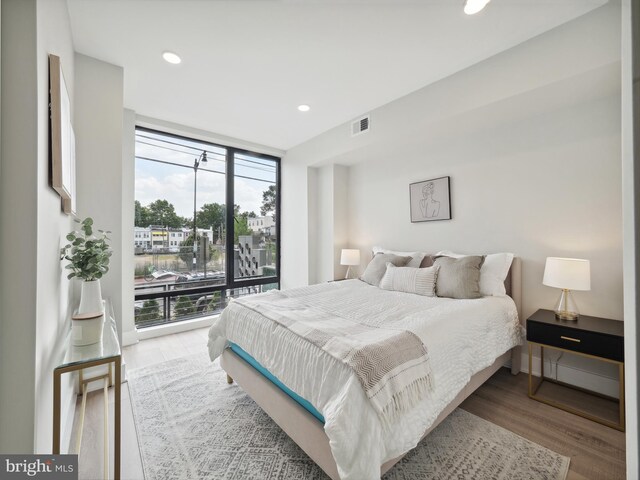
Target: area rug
191	424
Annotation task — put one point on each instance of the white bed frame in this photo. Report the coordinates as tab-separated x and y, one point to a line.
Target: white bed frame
308	432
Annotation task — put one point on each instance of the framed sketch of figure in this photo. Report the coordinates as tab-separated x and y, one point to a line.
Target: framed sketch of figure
430	200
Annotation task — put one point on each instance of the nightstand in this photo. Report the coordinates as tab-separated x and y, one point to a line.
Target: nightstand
593	337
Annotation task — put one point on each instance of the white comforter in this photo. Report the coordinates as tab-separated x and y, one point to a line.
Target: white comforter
462	337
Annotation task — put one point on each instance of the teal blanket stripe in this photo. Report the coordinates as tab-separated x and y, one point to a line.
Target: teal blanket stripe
269	376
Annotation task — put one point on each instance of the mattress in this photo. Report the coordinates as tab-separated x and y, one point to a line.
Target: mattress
462	337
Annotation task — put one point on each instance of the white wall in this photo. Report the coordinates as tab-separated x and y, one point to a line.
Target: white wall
54	299
531	140
35	295
329	218
129	334
99	150
630	183
18	187
548	185
574	64
296	188
341	214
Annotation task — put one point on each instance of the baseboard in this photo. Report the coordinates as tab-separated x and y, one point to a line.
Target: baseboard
601	381
177	327
130	338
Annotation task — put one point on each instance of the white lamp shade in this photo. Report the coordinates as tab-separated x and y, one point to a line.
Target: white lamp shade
568	273
350	257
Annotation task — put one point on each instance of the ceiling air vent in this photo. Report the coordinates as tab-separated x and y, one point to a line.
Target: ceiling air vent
361	125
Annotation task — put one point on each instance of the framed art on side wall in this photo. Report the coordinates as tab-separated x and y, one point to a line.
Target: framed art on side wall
430	200
63	162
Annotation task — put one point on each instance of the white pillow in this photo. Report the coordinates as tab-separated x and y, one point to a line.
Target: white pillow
493	272
421	281
416	257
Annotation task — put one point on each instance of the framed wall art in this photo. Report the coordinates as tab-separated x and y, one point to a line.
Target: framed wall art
63	163
430	200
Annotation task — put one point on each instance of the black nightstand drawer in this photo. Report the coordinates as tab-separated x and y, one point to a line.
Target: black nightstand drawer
591	343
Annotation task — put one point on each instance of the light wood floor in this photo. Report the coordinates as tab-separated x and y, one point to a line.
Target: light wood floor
596	452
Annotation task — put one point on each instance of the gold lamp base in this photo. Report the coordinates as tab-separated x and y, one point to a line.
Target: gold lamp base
567	315
566	308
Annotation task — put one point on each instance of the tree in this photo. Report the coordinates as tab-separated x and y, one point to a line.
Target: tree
141	216
163	213
211	215
241	226
149	312
184	306
186	253
269	202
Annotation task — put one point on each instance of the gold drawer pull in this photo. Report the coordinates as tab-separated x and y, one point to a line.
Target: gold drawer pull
577	340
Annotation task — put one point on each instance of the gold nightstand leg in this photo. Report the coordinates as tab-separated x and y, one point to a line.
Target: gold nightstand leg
530	368
621	399
534	388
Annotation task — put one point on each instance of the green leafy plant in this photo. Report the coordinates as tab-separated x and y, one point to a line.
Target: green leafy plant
88	254
184	306
149	312
215	303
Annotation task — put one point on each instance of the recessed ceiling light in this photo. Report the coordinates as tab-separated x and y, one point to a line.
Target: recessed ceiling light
304	108
171	57
474	6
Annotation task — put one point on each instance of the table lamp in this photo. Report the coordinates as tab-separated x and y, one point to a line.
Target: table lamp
567	274
349	257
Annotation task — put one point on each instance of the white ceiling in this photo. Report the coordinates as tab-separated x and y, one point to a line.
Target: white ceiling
247	65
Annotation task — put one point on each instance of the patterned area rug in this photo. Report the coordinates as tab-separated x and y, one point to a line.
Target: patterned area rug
192	425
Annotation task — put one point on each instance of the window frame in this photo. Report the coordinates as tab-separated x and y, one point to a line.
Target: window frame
231	283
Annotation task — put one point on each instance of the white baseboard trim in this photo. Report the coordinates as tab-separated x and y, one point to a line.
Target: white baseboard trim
130	338
572	375
177	327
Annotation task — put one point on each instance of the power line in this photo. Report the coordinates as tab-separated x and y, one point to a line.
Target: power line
180	151
271	168
182	144
203	169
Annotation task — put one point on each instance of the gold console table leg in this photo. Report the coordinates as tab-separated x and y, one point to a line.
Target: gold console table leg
107	379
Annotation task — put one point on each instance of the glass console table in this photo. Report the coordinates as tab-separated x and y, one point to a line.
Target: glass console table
106	352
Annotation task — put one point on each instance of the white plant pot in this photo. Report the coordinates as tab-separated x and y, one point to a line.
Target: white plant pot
90	298
86	331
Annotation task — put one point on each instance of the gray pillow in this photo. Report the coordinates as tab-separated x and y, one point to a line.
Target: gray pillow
459	277
421	281
378	266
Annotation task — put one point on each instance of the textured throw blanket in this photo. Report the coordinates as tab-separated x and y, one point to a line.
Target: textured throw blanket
391	363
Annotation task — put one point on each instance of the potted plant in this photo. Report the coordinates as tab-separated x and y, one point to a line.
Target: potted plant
88	256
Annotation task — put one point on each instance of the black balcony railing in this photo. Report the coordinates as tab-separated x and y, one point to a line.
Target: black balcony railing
169	303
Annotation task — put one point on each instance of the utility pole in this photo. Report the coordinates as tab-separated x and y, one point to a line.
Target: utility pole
202	158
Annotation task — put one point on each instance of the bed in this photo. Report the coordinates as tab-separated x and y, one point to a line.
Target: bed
319	403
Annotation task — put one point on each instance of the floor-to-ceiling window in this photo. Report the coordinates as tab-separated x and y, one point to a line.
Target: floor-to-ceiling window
207	223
